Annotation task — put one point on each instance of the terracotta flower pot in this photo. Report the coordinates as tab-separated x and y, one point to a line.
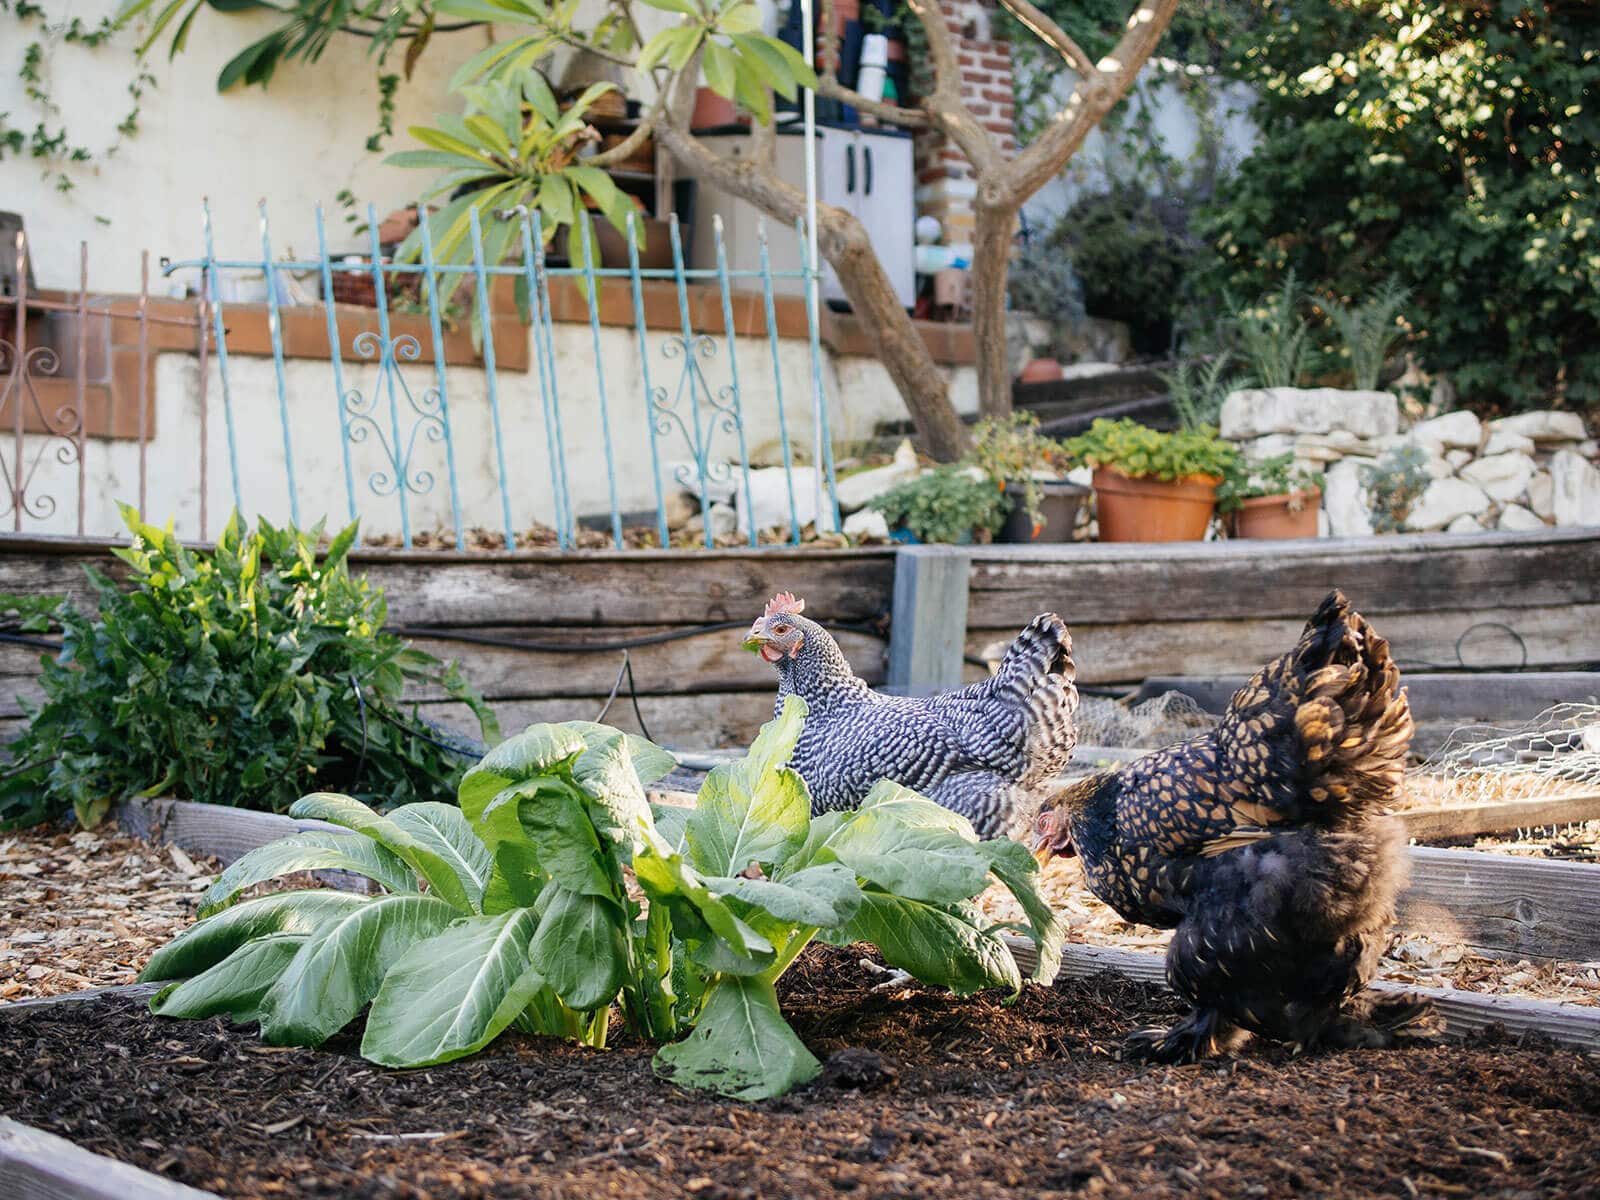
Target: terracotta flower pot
1292	515
1153	510
1040	370
712	111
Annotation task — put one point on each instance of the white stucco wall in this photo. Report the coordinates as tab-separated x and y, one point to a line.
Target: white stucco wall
859	395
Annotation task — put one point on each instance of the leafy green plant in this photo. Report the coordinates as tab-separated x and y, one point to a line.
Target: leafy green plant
1369	331
1144	453
1277	476
514	910
231	678
1274	337
1394	483
1452	147
947	504
1011	450
1042	282
1197	388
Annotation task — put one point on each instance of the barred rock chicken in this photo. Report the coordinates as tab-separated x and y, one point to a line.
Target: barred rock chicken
985	751
1265	844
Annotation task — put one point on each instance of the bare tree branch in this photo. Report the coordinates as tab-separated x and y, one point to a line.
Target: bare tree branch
829	86
1090	101
626	147
949	113
1051	34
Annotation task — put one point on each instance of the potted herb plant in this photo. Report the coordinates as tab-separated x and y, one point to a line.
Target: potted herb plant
1152	486
1027	467
1271	499
948	504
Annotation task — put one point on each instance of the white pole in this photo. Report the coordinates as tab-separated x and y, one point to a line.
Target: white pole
813	299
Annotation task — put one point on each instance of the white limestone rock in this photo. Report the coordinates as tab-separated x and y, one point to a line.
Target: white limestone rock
1514	517
1503	441
856	491
868	523
721	478
1542	495
1344	499
1444	501
1438	466
1458	458
1589	448
723	521
1332	446
1504	476
1271	446
1454	430
1543	426
679	508
1575	483
1464	524
1255	412
769	500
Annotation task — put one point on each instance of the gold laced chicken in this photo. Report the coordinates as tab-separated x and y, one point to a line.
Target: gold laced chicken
1266	846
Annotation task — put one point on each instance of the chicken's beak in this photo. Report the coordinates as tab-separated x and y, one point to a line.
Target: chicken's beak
755	639
1050	837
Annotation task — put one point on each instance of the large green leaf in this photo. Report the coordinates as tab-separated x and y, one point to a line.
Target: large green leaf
754	810
315	850
672	823
235	985
650	761
453	994
537	750
1016	868
825	895
919	862
419	855
555	821
741	1046
342	964
206	943
667	878
616	800
444	830
936	945
581	949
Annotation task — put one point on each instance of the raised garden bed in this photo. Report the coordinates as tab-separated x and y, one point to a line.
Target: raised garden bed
925	1096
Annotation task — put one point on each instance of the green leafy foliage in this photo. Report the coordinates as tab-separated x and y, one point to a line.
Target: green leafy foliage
1273	337
1012	450
1452	147
1197	388
1277	476
946	504
1370	330
226	677
1141	452
528	919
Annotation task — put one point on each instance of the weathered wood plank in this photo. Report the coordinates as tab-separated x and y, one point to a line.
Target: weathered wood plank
1466	698
1551	637
930	619
1463	1013
698	720
1468	820
1504	904
547	588
129	991
1108	583
35	1165
211	829
707	662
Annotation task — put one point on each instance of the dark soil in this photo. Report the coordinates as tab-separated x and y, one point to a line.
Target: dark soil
924	1096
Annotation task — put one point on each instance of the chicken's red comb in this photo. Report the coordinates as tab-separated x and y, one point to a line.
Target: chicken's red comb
784	602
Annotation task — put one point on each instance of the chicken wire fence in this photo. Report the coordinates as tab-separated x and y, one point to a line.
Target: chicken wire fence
1149	724
634	391
1555	754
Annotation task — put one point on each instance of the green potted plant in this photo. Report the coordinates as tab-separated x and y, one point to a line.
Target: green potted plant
948	504
1026	467
1271	499
1152	486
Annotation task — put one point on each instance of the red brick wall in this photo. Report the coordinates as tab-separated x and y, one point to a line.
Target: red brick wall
944	179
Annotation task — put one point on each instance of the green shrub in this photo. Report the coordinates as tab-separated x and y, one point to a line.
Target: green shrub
1394	483
946	504
1277	476
229	678
1141	452
1197	387
1455	148
527	919
1009	450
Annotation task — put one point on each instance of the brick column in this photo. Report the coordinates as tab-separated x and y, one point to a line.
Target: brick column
945	185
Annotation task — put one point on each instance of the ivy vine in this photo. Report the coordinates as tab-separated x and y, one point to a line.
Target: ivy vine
49	142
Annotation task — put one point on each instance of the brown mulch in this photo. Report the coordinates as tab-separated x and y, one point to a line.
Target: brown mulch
86	909
926	1095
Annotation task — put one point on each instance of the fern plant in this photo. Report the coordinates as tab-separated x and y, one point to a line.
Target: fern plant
1274	338
1370	330
1197	387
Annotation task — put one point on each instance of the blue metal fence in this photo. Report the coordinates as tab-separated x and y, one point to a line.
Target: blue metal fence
694	420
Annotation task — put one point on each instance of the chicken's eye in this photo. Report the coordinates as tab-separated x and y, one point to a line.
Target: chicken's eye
781	627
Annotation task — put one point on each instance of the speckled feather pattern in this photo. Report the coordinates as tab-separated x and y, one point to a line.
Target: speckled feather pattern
1279	926
985	751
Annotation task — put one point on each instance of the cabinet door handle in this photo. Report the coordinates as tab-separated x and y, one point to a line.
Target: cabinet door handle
849	169
866	159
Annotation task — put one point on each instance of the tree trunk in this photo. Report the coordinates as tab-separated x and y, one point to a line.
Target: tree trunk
991	263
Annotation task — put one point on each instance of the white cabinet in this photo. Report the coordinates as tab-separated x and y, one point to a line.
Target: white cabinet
869	173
